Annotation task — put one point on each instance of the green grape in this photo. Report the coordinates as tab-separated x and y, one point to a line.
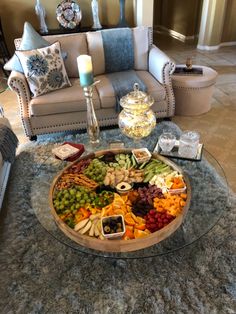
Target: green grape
96	170
72	191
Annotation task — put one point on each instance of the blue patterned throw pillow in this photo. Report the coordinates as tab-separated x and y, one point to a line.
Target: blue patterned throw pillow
30	40
44	69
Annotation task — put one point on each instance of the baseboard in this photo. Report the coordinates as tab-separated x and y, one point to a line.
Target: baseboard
228	43
209	48
183	38
174	34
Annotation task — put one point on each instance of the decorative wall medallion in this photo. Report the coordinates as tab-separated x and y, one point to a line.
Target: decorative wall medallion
68	14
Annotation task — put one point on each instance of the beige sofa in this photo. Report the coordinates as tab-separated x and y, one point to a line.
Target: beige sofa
65	109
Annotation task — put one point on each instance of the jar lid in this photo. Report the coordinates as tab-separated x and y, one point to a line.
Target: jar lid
136	99
190	136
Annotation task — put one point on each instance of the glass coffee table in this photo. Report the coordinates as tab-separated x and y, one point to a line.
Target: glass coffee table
209	198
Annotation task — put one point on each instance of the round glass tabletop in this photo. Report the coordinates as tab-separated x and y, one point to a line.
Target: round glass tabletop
208	200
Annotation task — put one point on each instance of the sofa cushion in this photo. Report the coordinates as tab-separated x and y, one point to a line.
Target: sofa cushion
154	88
118	45
44	69
65	100
107	94
95	48
74	45
141	48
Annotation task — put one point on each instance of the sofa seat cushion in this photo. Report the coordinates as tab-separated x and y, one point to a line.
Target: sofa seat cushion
64	100
107	94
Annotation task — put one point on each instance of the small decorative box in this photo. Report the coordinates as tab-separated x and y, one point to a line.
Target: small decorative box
68	151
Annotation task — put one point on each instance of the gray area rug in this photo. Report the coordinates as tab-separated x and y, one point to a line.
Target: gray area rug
41	275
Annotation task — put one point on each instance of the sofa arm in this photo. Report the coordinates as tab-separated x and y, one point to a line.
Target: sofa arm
17	83
160	65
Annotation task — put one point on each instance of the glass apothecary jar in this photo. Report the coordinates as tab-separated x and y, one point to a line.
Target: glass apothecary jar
136	120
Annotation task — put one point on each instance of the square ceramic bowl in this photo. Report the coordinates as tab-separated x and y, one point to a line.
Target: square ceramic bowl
113	227
141	155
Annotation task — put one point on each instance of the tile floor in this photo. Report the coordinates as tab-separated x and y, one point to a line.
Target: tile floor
217	127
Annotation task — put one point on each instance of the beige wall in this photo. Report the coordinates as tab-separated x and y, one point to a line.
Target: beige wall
229	29
144	12
184	16
179	15
213	18
15	12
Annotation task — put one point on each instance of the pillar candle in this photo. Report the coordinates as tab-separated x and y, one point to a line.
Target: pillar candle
85	70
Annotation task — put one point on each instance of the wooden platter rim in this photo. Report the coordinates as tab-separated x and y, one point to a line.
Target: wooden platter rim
120	245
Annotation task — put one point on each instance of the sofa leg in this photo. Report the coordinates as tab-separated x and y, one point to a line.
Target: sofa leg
33	138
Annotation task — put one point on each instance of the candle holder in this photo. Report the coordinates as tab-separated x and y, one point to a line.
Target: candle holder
189	63
92	123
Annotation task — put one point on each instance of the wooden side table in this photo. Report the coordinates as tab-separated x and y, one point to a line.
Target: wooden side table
193	93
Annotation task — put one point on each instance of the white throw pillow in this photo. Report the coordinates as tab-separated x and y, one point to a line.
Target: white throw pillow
44	69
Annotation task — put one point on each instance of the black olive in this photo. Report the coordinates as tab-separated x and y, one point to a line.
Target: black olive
112	224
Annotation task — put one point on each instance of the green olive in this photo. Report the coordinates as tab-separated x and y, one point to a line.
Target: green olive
107	229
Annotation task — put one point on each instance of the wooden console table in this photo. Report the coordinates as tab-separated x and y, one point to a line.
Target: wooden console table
59	31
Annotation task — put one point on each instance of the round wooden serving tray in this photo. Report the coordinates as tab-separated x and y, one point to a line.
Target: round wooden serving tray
121	245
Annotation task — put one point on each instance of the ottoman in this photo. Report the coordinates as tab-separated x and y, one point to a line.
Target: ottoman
193	93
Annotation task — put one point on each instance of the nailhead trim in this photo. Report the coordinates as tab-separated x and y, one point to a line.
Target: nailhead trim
14	83
166	73
150	37
193	88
